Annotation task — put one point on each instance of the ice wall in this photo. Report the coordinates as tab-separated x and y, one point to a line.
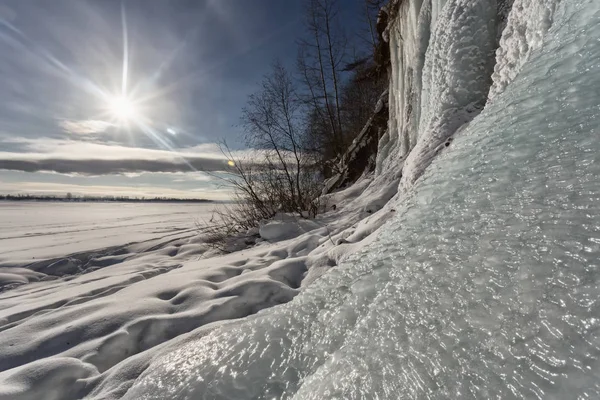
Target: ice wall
408	36
455	80
449	59
528	22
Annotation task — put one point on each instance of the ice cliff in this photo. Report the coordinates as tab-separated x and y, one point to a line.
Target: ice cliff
448	59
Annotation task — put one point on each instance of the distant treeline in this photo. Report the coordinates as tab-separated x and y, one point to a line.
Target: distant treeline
86	198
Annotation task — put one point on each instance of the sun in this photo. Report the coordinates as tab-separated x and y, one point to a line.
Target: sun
122	108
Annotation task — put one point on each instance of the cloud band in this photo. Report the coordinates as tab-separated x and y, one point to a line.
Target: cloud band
108	167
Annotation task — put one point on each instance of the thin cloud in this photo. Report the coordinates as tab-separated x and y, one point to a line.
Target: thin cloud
84	127
78	149
88	158
110	167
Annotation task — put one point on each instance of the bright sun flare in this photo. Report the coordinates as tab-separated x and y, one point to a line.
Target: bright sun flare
122	108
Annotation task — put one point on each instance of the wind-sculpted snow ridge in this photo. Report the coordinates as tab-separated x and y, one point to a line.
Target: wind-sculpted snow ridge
484	285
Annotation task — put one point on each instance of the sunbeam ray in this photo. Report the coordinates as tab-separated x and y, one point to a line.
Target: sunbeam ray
160	141
125	50
48	59
166	64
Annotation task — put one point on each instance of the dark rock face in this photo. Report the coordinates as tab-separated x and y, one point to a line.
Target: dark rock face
360	156
504	7
382	51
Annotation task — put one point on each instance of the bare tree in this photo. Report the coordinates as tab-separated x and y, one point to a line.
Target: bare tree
360	93
321	57
370	13
339	78
278	171
273	121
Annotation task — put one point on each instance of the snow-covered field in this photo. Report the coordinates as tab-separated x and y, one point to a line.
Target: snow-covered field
39	230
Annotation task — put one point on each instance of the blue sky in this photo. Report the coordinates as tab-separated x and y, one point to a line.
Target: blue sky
190	66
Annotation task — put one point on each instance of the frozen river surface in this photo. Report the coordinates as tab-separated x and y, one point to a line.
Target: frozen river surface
34	230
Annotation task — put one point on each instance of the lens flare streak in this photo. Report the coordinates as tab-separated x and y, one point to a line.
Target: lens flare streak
125	51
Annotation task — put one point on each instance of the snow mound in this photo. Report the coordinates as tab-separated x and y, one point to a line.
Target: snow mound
283	227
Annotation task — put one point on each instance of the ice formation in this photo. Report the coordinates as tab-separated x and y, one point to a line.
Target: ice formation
527	24
455	78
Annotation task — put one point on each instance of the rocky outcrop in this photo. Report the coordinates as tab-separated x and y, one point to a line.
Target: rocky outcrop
360	156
